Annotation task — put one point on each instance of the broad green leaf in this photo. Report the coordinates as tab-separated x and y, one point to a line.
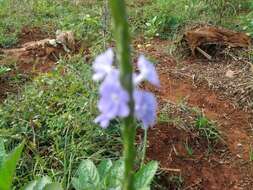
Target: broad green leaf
53	186
143	178
115	176
2	151
116	188
31	185
77	183
41	183
104	167
145	188
8	168
87	176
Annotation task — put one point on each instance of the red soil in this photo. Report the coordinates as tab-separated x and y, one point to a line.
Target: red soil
227	167
31	34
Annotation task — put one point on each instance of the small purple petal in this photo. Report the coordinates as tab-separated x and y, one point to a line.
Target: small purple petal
147	72
102	65
103	121
145	107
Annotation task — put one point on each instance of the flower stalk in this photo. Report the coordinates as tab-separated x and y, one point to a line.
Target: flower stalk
122	39
144	148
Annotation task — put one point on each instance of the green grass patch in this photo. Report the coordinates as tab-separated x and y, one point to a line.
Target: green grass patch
84	19
207	129
4	70
165	19
55	115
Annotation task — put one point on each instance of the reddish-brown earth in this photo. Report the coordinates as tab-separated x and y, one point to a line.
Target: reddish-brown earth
32	34
227	166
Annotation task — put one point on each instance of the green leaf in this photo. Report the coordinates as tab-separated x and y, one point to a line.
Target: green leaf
41	183
104	167
53	186
145	188
8	168
87	176
115	176
31	185
2	151
4	70
143	178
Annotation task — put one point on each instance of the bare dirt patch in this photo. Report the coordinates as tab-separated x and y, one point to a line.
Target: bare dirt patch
32	34
228	165
234	123
201	170
232	79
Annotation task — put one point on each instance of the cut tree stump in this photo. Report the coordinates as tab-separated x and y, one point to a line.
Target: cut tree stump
210	35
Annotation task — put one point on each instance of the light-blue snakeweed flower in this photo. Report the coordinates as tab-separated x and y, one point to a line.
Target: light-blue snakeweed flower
114	99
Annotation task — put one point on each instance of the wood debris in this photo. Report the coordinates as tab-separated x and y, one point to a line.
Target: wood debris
210	35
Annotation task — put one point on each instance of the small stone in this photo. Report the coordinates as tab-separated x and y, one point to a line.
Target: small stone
230	74
239	145
139	46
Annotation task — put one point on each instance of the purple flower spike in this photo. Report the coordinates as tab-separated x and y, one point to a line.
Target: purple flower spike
102	65
145	108
114	100
147	72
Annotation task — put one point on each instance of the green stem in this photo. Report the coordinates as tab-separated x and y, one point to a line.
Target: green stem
144	147
122	39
